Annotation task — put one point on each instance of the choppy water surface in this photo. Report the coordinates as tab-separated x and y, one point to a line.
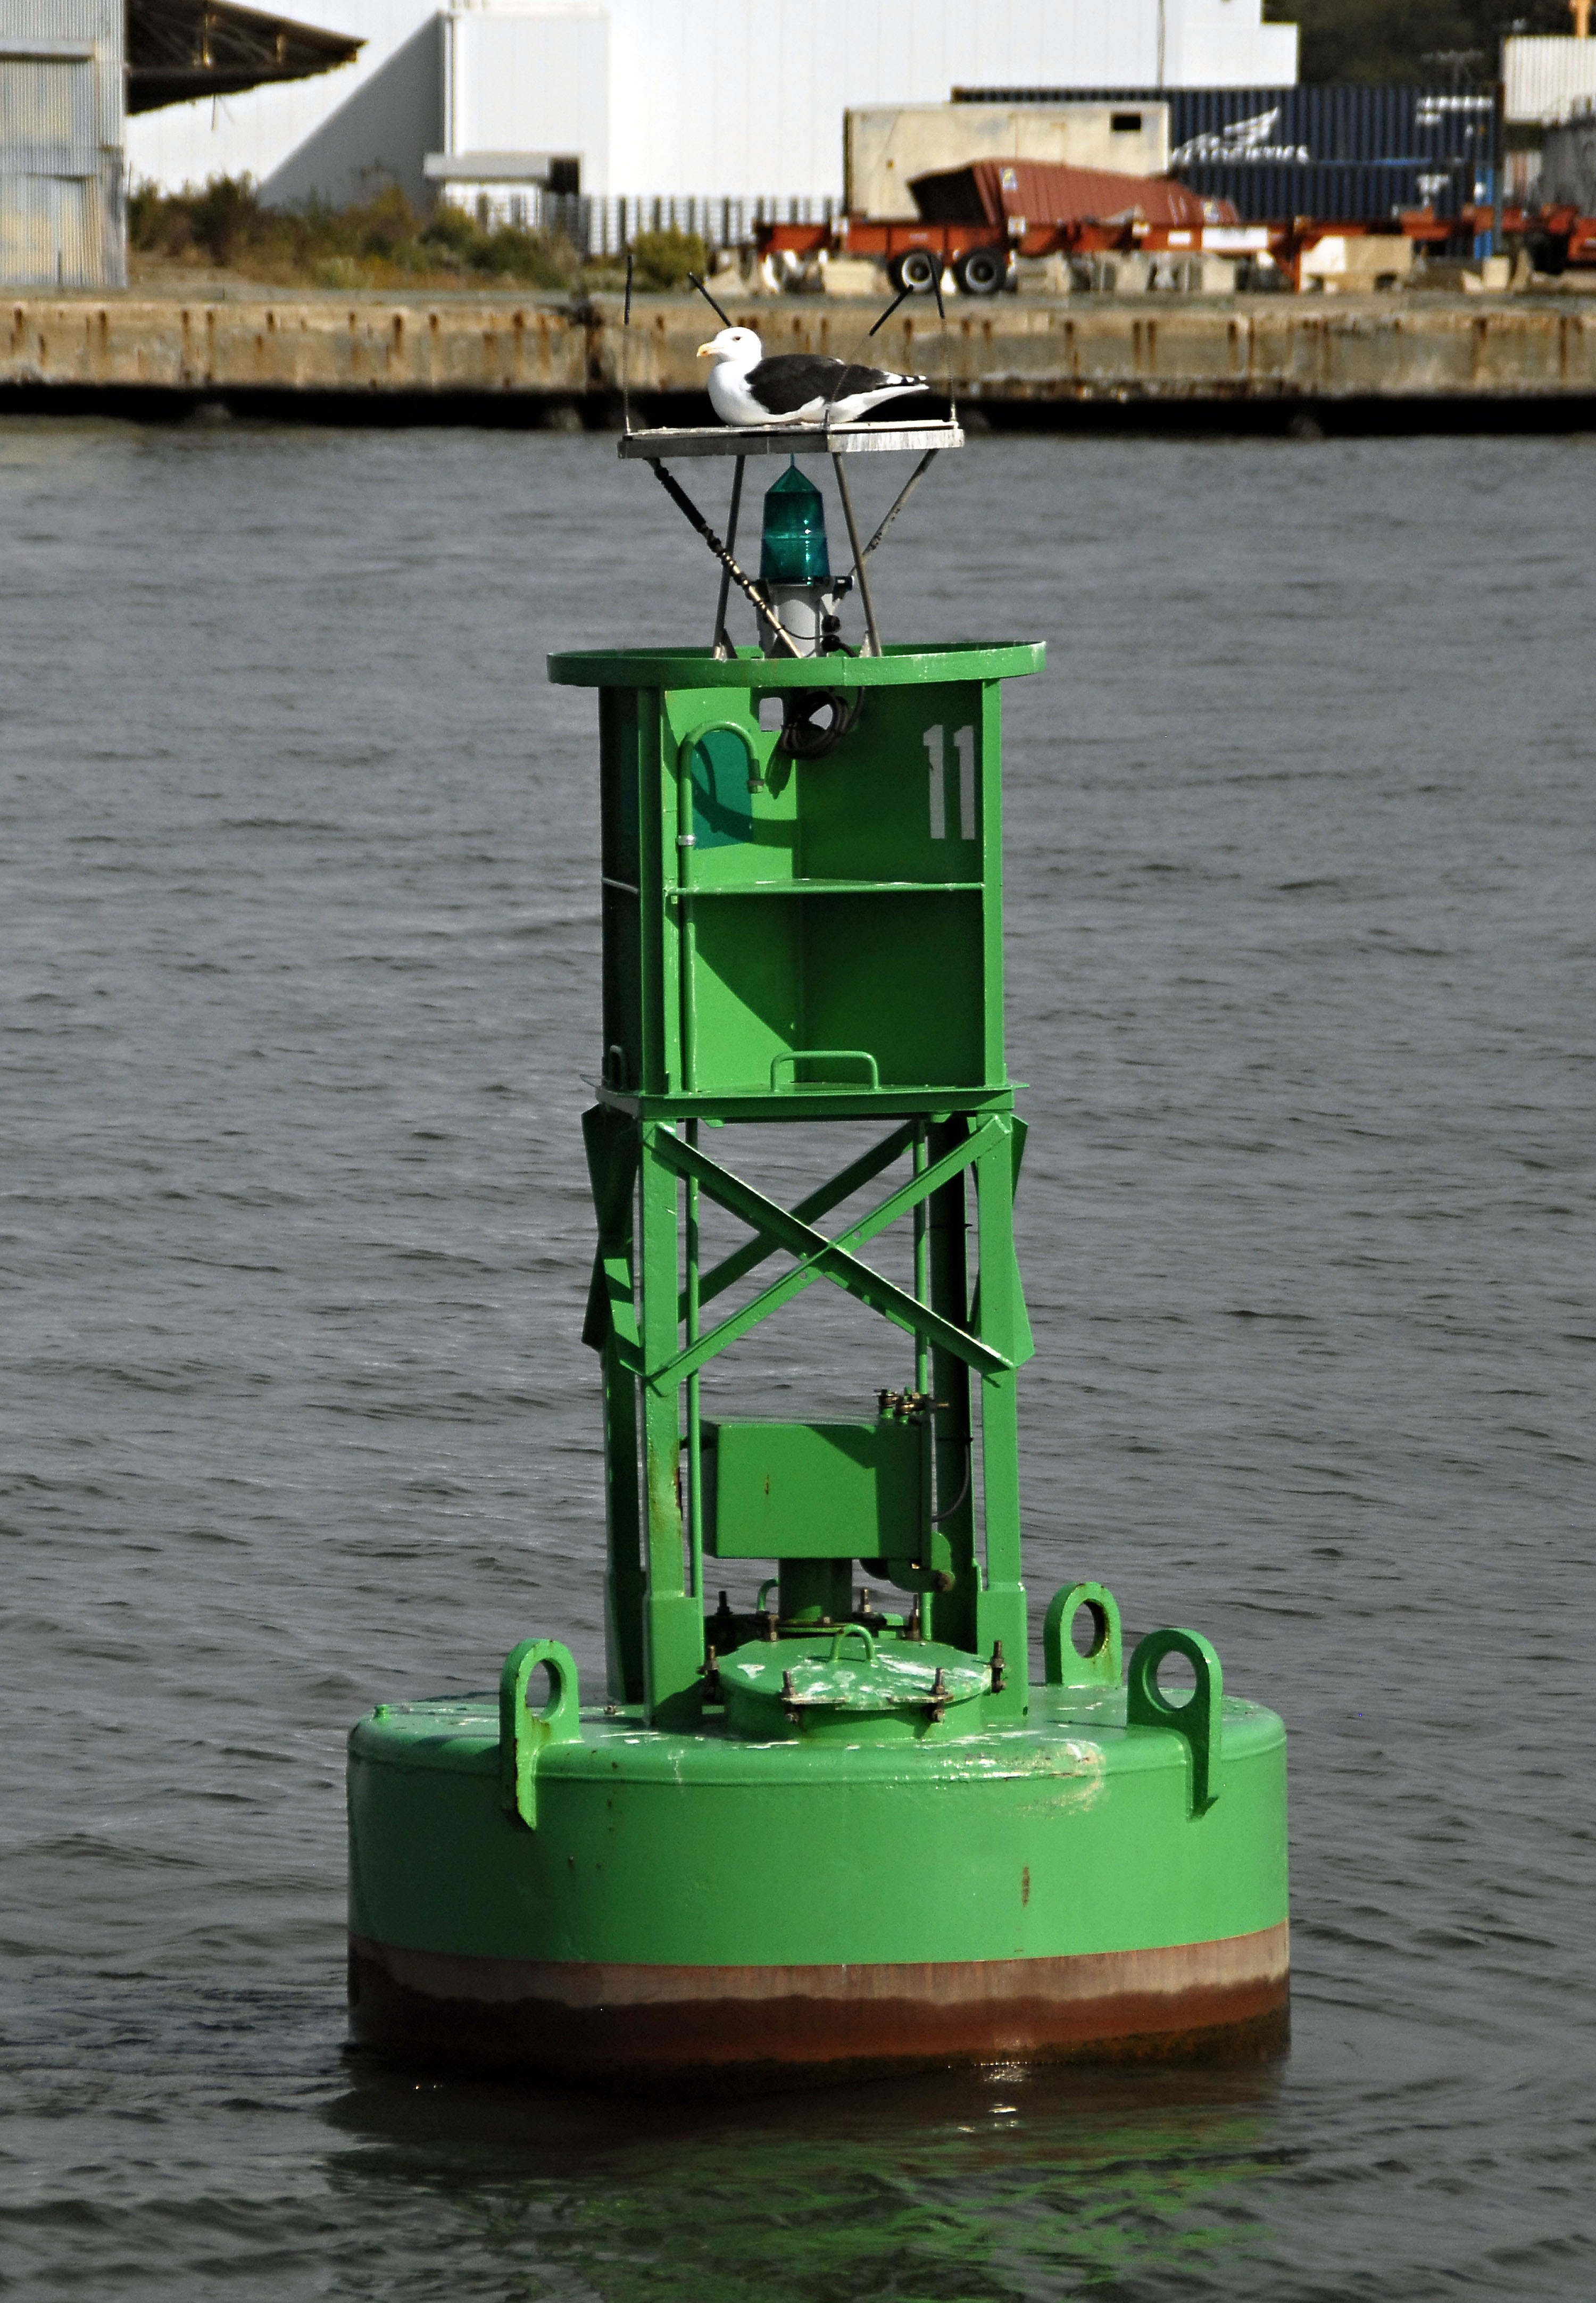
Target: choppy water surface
297	879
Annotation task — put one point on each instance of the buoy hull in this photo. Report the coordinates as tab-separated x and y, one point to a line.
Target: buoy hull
691	1907
1221	2001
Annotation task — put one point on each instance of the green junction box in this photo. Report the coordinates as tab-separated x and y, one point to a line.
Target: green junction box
833	1828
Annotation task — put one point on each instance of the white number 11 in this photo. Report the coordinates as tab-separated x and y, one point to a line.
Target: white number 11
964	744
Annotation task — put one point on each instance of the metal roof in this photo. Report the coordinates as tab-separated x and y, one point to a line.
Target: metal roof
179	50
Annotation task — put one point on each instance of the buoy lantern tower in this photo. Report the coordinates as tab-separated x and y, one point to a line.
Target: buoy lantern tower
827	1826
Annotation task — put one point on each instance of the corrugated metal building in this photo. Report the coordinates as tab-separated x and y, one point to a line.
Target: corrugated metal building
747	97
712	100
1351	153
63	213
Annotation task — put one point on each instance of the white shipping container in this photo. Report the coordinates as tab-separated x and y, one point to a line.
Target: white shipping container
885	148
1544	81
63	218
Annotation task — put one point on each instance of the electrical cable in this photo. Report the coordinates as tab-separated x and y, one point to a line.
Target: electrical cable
801	739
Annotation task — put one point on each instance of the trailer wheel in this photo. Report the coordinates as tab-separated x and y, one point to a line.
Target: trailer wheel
980	271
916	271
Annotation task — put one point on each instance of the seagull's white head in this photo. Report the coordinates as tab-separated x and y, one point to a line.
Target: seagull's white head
737	348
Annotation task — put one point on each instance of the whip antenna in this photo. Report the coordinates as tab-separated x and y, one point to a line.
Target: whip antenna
626	366
709	299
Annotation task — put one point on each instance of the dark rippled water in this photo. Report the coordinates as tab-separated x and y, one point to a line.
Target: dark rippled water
297	879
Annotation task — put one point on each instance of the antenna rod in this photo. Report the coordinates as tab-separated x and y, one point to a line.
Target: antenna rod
626	366
744	582
892	307
942	313
709	299
882	323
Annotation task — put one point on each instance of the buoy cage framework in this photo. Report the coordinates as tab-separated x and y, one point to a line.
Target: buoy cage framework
929	436
835	1829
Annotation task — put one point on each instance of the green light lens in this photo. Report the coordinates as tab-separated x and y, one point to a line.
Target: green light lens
793	549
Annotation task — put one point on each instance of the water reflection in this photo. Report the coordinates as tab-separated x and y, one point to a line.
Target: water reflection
993	2188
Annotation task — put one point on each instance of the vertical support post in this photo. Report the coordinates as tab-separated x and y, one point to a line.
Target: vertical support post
872	632
695	1425
656	949
611	1147
923	1352
687	840
1000	1611
815	1591
922	1261
952	1613
674	1653
624	1582
989	803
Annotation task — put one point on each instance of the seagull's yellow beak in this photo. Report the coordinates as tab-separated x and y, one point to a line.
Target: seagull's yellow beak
706	351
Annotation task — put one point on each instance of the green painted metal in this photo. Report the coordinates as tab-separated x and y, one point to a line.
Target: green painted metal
781	933
814	1491
527	1728
671	668
803	936
1063	1665
851	1689
834	927
1196	1720
710	1850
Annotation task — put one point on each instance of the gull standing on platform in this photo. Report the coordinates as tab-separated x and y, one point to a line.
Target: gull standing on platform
799	387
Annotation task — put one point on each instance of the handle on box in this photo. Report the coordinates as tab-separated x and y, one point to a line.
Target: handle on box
796	1056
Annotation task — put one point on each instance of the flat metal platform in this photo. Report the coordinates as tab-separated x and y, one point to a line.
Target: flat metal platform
788	440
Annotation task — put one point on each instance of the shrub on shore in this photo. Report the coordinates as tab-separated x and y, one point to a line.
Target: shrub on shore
663	259
381	242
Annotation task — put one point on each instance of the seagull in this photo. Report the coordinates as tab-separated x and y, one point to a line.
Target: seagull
794	387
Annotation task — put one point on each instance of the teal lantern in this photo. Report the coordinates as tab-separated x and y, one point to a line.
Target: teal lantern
793	547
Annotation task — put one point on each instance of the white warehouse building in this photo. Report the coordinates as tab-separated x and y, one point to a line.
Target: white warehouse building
737	99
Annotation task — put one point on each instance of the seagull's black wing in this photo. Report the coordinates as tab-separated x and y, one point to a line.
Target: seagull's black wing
791	380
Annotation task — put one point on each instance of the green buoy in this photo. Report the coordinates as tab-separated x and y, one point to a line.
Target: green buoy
833	1826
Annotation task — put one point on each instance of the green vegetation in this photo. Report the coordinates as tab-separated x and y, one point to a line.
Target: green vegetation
382	243
1402	40
663	259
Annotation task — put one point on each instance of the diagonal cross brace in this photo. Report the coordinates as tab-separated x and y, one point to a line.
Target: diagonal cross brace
754	1252
820	1258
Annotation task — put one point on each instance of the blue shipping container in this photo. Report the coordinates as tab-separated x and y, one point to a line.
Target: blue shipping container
1354	192
1353	153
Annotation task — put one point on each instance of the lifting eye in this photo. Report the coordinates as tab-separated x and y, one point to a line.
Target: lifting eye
815	720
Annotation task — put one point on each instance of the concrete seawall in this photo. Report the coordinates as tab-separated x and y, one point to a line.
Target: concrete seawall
534	354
